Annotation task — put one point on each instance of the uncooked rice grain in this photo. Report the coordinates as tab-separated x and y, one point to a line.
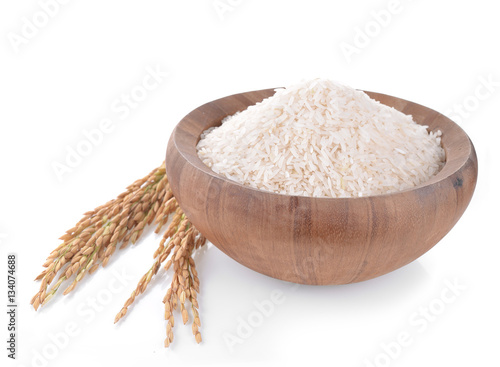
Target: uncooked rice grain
323	139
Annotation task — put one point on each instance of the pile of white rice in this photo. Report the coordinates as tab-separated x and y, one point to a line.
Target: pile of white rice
323	139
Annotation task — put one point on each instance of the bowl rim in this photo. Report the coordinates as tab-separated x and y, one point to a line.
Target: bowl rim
443	174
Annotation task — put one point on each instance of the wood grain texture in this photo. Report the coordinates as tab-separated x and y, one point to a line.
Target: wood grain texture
319	240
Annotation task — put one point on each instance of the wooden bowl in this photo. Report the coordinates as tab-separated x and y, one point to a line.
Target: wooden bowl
319	240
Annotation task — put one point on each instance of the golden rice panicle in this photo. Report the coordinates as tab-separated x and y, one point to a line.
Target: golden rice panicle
185	283
146	278
138	211
93	239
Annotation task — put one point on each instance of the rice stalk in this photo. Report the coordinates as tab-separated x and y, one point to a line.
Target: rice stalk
92	242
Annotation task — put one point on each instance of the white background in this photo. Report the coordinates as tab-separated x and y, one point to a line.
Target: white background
65	77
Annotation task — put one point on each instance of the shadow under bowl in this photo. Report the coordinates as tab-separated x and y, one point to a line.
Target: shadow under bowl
319	240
